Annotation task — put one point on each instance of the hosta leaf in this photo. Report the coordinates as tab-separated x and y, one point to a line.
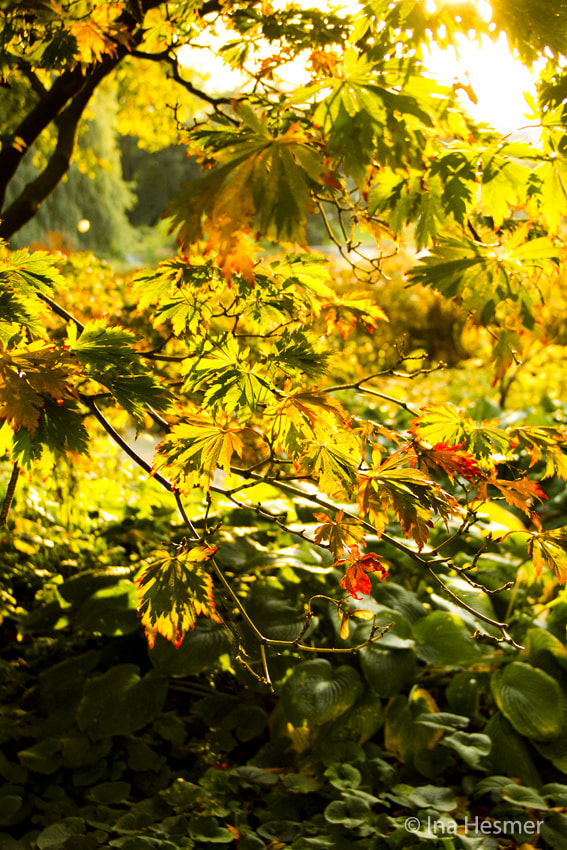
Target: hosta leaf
387	670
316	692
530	699
360	722
173	591
443	639
120	701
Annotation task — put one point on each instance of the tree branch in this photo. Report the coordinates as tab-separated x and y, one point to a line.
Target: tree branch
26	205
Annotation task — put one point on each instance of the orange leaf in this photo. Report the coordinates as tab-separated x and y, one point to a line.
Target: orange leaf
340	533
356	578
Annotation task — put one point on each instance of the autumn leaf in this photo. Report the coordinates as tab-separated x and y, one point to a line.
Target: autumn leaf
195	448
262	182
174	591
409	493
549	548
453	460
340	533
520	493
548	444
305	414
358	566
93	32
29	374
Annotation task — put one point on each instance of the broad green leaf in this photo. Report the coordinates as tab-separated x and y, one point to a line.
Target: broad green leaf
359	723
120	701
530	699
316	692
510	754
444	640
387	670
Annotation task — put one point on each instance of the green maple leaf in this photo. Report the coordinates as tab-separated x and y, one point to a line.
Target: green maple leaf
174	591
227	379
108	357
332	464
22	271
457	172
195	449
448	425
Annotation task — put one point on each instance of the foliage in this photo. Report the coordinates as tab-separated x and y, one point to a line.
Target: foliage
290	458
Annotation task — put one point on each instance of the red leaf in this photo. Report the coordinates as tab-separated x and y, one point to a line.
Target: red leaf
451	459
356	578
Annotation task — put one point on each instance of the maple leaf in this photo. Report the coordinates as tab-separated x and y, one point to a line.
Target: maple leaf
29	374
107	356
520	493
549	548
453	460
91	32
305	414
20	404
348	310
194	449
446	424
543	443
227	379
174	591
340	532
356	579
262	182
333	464
409	493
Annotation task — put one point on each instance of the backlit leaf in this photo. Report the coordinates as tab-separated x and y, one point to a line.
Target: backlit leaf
173	591
196	448
339	532
549	548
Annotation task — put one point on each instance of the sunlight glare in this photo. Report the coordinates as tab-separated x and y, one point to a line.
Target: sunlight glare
489	74
483	71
